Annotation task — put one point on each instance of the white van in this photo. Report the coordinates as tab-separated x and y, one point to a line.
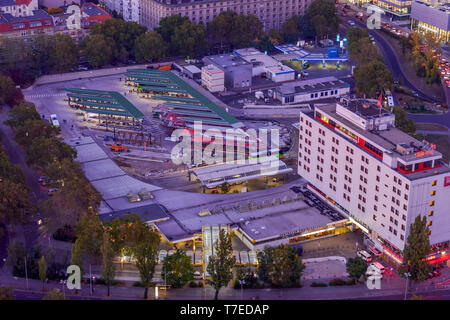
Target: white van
379	266
365	255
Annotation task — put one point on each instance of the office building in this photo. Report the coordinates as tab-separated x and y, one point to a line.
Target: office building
426	18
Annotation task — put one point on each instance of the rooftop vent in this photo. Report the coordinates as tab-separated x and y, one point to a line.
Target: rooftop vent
404	148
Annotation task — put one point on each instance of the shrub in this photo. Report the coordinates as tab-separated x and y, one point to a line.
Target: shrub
351	282
337	282
194	284
318	284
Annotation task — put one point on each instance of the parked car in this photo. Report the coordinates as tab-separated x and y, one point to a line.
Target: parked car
52	191
351	22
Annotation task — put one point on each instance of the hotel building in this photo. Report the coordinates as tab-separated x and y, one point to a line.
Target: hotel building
352	156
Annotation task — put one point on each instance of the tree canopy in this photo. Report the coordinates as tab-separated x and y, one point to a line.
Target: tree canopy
220	265
177	269
416	250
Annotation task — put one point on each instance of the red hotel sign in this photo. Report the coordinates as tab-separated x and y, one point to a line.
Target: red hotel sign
447	181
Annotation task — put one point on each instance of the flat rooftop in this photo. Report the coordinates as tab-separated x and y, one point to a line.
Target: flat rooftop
228	60
387	140
312	85
365	108
282	218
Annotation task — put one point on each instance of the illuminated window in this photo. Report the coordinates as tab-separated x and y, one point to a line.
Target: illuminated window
433	193
430	213
431	203
433	183
430	223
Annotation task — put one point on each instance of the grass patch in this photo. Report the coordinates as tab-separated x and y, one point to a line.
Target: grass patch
430	127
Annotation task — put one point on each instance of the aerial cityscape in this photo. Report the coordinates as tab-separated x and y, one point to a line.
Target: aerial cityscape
224	150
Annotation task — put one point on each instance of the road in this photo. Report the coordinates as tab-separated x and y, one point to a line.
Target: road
17	156
392	62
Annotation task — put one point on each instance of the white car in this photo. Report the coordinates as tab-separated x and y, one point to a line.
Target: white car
352	23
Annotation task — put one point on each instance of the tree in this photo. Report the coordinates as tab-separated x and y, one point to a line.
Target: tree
53	10
22	112
64	56
77	256
371	78
280	266
323	16
42	270
142	242
416	250
146	255
402	122
177	269
108	271
189	40
150	47
220	265
55	294
119	36
98	51
7	293
290	30
356	267
8	92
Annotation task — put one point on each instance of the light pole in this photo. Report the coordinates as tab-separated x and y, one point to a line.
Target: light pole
26	271
63	283
407	275
242	282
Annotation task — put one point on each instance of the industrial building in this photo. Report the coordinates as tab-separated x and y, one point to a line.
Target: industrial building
426	18
264	65
104	106
376	175
309	90
238	72
213	78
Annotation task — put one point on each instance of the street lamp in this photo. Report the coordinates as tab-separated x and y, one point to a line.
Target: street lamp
407	275
242	282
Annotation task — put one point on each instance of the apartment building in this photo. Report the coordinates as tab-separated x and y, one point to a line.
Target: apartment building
129	9
18	8
272	13
379	177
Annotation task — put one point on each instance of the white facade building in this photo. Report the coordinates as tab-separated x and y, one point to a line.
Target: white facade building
309	90
18	8
264	65
129	9
381	178
213	78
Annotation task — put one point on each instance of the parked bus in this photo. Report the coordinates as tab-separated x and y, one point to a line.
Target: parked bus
54	120
389	97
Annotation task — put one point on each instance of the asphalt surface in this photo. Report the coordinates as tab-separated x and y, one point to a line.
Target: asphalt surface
392	63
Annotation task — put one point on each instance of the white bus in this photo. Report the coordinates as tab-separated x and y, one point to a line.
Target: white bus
54	120
365	255
389	97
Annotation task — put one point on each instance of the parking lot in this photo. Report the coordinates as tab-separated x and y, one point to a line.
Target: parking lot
315	202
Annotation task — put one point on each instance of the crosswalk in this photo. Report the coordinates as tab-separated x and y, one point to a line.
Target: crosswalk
44	95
